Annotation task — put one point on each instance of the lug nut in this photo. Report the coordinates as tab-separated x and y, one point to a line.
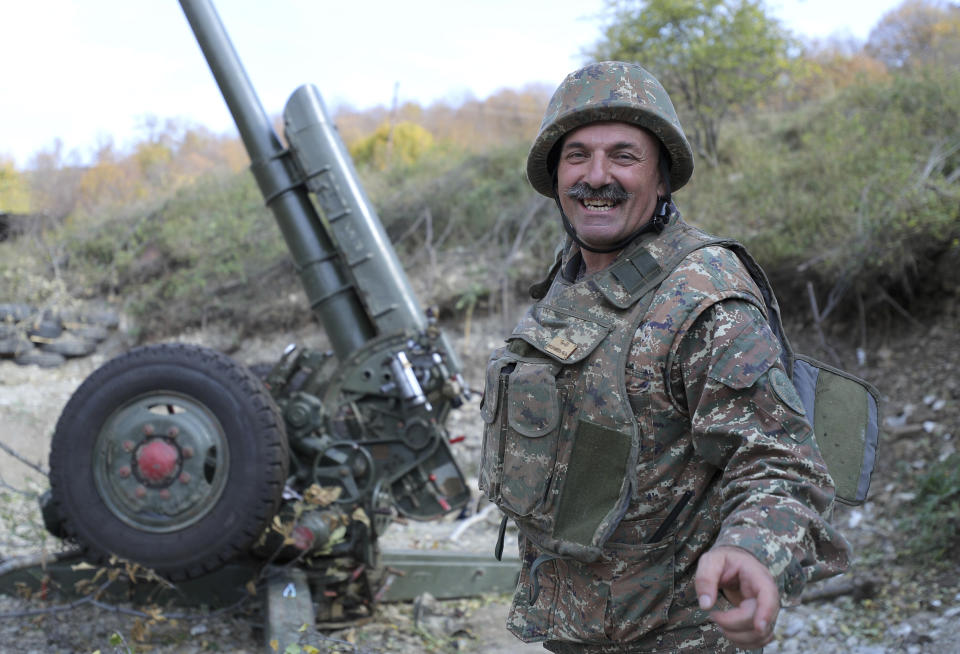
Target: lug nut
187	452
124	471
184	478
173	432
148	429
165	494
128	446
141	492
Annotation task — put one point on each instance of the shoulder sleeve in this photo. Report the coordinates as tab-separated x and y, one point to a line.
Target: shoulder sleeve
775	486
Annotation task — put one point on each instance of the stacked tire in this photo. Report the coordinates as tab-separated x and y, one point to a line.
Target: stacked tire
48	338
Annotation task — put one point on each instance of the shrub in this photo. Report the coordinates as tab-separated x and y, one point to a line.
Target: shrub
935	526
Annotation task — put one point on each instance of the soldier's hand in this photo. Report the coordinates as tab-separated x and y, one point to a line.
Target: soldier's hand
750	588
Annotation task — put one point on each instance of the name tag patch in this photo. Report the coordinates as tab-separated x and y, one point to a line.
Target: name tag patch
561	347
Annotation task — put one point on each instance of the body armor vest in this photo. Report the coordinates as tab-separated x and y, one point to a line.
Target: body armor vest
561	440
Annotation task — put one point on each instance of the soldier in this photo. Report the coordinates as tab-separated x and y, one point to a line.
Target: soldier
640	427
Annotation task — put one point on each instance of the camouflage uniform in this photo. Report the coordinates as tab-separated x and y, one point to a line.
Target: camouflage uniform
590	459
641	415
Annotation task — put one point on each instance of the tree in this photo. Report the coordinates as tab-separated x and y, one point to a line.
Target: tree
112	181
403	143
917	32
714	57
14	192
54	182
829	65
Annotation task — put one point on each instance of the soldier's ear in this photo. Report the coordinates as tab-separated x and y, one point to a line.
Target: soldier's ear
663	167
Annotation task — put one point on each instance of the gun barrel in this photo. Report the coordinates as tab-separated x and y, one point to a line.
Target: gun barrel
329	288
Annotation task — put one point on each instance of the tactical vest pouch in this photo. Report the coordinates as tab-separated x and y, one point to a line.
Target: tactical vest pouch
557	457
491	452
844	412
521	410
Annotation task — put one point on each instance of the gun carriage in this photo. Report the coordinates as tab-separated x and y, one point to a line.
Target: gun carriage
179	459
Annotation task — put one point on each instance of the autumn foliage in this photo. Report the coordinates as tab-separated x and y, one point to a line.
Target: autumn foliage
808	151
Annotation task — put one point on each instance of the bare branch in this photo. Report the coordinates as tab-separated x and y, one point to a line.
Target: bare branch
817	318
899	309
30	560
19	457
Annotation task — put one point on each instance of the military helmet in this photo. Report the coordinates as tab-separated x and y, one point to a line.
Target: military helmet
609	90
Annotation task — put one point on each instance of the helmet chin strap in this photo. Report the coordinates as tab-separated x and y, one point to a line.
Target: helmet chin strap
656	223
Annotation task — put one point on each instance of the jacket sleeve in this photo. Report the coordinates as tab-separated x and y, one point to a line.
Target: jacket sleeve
747	421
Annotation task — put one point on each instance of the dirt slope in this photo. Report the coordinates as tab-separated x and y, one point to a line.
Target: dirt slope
905	607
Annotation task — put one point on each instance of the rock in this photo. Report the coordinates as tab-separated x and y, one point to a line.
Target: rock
428	614
423	606
901	630
870	649
795	625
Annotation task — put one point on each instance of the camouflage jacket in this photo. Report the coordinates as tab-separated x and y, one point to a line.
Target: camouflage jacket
637	417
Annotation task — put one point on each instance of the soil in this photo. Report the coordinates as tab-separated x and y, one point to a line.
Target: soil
892	600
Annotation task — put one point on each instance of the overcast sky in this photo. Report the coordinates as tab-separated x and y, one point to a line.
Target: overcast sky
85	71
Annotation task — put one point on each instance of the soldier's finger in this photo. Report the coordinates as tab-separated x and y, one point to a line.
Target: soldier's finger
768	606
739	618
707	579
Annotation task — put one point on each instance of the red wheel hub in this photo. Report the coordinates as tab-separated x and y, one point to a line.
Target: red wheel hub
157	461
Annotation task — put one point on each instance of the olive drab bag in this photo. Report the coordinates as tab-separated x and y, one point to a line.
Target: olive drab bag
563	475
843	410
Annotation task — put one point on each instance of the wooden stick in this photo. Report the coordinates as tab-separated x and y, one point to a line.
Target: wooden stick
858	588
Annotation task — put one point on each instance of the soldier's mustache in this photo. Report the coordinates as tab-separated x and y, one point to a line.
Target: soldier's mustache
612	192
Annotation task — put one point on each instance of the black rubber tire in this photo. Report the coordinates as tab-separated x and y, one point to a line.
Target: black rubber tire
15	345
70	345
39	358
48	327
15	312
94	333
252	429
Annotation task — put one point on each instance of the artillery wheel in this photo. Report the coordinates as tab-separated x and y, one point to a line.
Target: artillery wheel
173	456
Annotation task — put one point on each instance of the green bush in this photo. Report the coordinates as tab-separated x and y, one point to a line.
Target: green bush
855	188
935	525
173	262
478	200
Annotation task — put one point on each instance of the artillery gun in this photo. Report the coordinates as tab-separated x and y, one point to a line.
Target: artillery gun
179	459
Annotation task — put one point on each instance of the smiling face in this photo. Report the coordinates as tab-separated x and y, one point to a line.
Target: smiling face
608	180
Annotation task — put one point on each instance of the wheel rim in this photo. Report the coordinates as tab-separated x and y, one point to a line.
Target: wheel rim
161	462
